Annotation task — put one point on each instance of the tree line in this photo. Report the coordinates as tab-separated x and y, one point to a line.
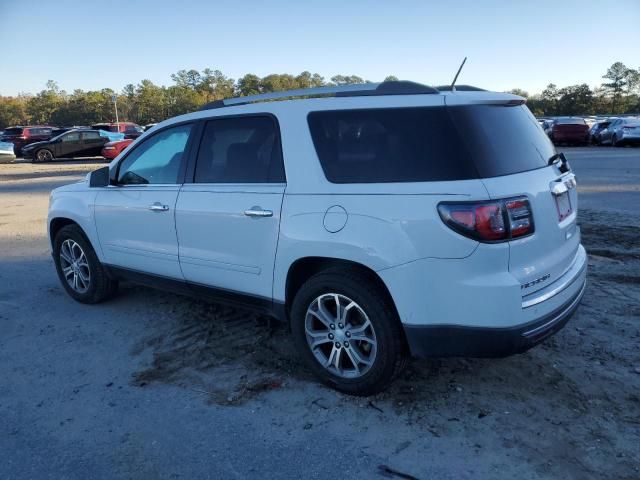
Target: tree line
147	102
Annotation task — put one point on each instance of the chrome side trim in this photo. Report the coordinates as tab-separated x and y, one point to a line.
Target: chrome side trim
565	281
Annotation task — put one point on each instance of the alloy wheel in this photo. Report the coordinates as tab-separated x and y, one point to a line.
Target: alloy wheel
44	156
340	335
74	266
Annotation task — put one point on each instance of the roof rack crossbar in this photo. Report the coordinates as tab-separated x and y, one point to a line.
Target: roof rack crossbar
361	89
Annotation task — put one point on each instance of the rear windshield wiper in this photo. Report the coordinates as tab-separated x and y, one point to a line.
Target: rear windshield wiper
560	158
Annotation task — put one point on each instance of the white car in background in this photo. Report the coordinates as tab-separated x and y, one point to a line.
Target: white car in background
379	221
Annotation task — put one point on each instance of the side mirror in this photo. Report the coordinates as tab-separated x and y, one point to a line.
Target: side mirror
99	178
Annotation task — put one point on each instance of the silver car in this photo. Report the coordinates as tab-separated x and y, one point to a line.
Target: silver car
6	152
622	131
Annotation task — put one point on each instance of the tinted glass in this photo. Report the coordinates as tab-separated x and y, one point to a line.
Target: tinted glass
71	137
570	121
240	150
157	160
13	131
502	140
90	135
389	145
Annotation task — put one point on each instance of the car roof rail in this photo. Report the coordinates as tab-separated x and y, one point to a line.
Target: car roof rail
399	87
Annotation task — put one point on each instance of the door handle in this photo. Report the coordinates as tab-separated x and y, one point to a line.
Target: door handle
158	207
258	212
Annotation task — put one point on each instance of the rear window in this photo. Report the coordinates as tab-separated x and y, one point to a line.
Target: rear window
389	145
570	121
502	139
428	144
12	131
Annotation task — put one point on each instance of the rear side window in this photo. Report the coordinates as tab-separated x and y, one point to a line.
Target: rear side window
39	131
240	150
502	139
389	145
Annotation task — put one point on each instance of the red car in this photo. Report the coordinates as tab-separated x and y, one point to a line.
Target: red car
23	136
112	149
570	130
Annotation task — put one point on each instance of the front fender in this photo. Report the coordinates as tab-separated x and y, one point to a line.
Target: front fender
77	206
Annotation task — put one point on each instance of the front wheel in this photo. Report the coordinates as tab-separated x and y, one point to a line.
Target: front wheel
79	270
43	155
348	332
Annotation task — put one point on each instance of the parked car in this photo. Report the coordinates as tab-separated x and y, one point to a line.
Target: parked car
381	221
73	143
596	129
112	149
22	136
621	131
130	130
148	126
569	130
6	152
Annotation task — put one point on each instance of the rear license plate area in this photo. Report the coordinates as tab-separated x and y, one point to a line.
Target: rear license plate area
563	204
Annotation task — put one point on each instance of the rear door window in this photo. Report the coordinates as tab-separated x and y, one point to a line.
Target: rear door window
240	150
389	145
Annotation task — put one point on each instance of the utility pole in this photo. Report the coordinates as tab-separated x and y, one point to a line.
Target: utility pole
114	99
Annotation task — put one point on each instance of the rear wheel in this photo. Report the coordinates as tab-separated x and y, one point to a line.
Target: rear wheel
348	332
79	270
42	155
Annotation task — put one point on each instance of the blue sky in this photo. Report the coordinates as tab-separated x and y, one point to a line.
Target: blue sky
525	44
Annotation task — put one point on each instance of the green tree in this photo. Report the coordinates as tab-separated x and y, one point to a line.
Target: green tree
248	85
621	80
575	100
347	80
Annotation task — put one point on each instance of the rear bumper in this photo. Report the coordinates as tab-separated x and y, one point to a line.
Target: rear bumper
462	341
6	157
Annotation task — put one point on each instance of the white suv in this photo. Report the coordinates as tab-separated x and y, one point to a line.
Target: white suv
378	220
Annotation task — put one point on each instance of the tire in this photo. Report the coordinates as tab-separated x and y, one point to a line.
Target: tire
94	284
42	155
387	358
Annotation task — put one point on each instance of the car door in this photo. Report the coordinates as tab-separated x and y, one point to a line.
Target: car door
92	143
135	218
228	217
68	145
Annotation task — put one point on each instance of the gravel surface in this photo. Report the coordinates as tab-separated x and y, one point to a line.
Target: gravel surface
153	385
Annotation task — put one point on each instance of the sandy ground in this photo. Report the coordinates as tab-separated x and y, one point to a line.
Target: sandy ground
152	385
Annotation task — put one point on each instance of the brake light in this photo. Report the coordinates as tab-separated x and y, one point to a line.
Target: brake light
492	221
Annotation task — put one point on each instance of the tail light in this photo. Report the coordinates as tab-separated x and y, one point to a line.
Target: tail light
492	221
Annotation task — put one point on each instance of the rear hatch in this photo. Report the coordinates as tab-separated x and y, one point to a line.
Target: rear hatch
571	128
511	153
9	134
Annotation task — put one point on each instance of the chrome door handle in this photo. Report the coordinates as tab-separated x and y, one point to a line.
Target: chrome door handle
158	207
258	212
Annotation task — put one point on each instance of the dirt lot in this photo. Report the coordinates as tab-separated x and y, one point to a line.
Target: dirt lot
152	385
